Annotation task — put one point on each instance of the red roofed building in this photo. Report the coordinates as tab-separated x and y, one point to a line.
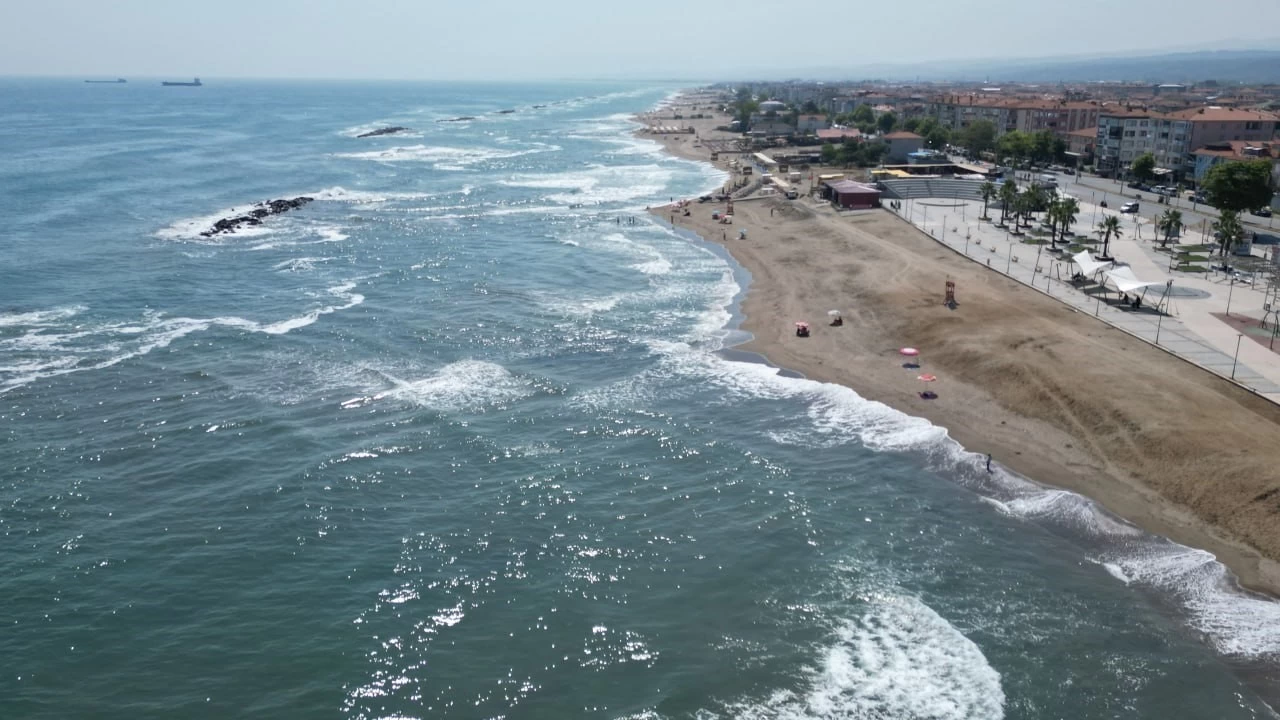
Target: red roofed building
837	135
901	144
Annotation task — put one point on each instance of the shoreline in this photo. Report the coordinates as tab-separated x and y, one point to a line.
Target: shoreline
982	420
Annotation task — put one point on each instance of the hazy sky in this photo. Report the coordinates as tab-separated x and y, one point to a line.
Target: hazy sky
522	39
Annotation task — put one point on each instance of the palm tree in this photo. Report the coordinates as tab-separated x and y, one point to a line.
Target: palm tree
1036	201
1107	229
1008	196
1228	230
1170	222
987	191
1068	208
1054	217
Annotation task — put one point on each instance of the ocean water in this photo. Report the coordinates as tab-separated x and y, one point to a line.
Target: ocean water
459	439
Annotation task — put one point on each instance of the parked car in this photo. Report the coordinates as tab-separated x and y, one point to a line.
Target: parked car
1263	212
1198	198
1129	207
1068	171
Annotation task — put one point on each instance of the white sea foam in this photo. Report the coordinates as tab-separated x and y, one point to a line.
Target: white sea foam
39	318
99	346
899	660
449	156
599	184
302	264
464	385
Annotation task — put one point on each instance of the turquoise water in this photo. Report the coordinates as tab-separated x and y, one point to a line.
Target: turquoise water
457	440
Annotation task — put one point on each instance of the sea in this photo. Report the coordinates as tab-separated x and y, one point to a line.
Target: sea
466	437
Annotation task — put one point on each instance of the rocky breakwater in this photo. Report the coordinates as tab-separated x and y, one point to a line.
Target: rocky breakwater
385	131
255	216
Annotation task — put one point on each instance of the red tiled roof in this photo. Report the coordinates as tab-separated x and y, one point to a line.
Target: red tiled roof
903	135
839	133
1222	114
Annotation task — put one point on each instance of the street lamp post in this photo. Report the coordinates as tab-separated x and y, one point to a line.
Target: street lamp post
1168	286
1239	337
1230	289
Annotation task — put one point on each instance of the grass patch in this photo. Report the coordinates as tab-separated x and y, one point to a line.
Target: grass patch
1188	268
1035	241
1185	258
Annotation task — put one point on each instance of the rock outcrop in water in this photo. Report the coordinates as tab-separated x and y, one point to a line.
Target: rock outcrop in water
460	118
254	217
385	131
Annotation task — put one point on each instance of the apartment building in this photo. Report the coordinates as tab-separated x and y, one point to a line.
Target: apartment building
1224	124
1123	134
959	111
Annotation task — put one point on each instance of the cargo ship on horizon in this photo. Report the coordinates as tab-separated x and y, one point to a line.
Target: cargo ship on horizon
117	81
194	83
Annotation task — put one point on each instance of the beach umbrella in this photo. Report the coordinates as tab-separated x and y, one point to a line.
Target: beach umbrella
833	313
909	352
927	378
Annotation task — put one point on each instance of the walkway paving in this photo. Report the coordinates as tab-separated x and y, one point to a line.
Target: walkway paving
1188	330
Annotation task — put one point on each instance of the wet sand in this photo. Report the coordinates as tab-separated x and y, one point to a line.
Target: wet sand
1052	394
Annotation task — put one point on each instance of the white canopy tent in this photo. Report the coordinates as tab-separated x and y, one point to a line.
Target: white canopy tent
1125	281
1088	263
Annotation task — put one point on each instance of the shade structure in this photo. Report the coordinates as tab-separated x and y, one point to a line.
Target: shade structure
1088	263
1125	281
909	352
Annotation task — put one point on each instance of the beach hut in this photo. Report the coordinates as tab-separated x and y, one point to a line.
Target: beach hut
851	195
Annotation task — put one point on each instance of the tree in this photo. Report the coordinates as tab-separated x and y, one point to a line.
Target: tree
1143	167
1062	215
849	152
810	108
1008	196
1239	186
1070	209
863	114
937	138
1107	229
1015	144
1169	223
911	125
988	191
886	122
829	154
1229	231
979	137
1042	146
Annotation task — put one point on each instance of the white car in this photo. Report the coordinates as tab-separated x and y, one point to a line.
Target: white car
1129	207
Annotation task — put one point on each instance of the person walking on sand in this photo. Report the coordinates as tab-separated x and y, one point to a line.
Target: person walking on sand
988	462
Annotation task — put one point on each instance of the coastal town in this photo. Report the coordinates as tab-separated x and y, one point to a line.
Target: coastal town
1091	272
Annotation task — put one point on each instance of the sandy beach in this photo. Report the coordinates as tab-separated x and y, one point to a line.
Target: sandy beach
1051	393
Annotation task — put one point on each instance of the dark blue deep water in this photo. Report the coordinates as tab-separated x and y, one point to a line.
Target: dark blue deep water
455	440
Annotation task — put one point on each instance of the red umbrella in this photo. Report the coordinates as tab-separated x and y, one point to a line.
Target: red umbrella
927	378
909	352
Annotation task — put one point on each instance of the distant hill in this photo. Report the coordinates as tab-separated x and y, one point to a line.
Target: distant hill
1247	66
1226	66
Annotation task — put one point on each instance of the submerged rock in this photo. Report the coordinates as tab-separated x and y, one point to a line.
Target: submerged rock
460	118
385	131
254	217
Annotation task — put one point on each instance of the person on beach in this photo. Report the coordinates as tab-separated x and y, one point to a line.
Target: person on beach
988	462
